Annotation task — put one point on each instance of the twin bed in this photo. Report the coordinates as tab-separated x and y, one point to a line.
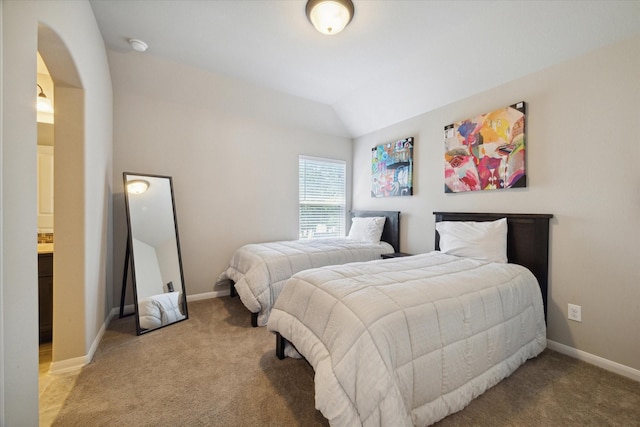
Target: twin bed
257	272
409	340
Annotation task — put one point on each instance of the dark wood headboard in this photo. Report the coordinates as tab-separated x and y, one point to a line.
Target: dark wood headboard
527	240
391	231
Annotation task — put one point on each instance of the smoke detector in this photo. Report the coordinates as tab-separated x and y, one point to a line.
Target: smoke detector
138	45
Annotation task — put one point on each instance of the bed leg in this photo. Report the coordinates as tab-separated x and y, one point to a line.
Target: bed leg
254	320
280	342
232	289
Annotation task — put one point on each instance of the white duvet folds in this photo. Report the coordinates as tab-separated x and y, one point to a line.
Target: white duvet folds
407	341
159	310
260	270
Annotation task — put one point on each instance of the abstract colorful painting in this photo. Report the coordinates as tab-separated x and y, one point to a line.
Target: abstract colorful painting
392	169
486	152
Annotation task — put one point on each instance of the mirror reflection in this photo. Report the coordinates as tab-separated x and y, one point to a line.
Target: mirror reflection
158	280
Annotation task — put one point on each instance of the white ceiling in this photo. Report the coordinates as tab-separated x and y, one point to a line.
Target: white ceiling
397	59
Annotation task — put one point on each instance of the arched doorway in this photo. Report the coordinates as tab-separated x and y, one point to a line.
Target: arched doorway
68	288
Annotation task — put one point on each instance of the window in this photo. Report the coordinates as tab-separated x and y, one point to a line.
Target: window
322	197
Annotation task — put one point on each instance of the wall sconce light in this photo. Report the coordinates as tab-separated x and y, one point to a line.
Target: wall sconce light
137	186
330	16
44	103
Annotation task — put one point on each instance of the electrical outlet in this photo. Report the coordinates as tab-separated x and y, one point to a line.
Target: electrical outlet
575	312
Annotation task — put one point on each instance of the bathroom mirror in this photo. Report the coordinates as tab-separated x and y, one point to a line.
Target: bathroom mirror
153	248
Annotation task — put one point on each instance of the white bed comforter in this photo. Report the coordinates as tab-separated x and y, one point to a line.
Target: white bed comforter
260	270
407	341
159	310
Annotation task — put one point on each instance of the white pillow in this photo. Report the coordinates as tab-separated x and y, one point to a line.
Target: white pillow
479	240
368	229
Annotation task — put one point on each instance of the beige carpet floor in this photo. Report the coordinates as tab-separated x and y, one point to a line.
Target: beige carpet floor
214	369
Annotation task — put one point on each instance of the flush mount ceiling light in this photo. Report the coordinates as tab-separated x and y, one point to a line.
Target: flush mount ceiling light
137	186
330	16
44	103
138	45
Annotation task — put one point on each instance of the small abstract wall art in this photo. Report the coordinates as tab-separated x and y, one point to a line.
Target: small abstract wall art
392	169
486	152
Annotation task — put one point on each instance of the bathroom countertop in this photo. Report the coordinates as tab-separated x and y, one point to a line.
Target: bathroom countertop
45	248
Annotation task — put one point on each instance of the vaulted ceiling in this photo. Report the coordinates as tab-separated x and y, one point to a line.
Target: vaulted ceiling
397	59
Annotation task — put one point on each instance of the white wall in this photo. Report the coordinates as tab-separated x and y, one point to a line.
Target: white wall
169	268
81	51
231	148
583	121
148	277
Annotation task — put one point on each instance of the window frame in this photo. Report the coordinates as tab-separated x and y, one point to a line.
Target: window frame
336	224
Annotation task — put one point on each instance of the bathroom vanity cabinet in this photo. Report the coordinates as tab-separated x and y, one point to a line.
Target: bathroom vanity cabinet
45	295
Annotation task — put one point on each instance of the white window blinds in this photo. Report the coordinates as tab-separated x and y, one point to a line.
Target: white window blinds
322	197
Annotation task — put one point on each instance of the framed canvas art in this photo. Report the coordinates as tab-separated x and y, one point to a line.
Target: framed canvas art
392	169
486	152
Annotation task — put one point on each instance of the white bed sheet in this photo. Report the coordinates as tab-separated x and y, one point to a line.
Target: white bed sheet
407	341
260	270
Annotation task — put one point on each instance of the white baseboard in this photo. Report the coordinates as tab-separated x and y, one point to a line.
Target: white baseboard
598	361
207	295
69	365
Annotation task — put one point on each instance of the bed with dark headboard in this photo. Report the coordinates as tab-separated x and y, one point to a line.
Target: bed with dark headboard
257	272
391	231
527	240
409	340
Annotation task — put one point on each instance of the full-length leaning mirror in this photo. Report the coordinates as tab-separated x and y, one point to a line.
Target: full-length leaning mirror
154	250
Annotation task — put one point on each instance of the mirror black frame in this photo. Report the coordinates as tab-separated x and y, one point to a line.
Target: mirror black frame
182	299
